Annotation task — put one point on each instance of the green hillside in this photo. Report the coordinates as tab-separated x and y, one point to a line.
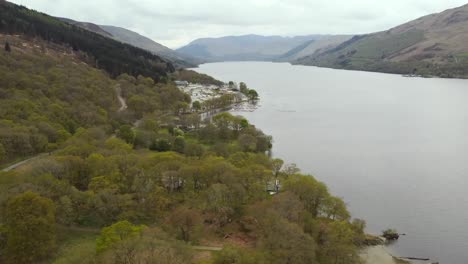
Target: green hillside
431	45
121	169
156	189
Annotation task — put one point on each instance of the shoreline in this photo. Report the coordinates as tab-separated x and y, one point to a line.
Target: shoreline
378	254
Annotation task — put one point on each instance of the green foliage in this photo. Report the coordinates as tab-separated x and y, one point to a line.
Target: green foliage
194	150
243	88
390	234
30	227
285	242
126	133
338	244
195	77
196	180
312	193
116	233
276	165
77	245
44	105
186	222
2	153
222	102
196	106
152	246
252	94
161	145
231	255
179	144
144	96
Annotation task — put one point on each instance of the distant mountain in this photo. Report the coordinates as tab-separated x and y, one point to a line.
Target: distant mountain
137	40
432	45
88	26
130	37
247	47
127	36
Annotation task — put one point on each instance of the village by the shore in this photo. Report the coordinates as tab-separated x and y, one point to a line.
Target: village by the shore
203	92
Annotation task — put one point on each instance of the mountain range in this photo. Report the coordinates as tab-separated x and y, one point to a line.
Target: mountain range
256	47
433	45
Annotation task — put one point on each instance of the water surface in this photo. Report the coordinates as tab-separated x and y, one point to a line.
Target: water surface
394	148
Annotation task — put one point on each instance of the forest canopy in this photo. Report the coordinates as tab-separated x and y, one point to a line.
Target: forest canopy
151	182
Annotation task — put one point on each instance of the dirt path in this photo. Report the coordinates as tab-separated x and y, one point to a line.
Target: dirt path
18	164
123	104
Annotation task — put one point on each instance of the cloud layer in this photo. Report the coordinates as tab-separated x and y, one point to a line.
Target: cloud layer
177	22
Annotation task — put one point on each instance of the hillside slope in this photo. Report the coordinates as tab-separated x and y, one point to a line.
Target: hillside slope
320	44
247	47
132	38
88	26
105	53
137	40
431	45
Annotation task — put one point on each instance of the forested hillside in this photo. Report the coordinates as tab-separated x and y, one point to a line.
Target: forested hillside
113	56
150	183
48	92
169	183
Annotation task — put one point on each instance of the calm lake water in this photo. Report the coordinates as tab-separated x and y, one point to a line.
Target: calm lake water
395	148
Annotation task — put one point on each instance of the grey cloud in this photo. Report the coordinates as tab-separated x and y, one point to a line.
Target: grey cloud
177	22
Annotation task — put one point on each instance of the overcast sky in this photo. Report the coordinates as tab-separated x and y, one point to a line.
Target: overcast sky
175	23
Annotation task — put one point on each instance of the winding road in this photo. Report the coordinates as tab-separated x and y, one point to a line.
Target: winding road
123	104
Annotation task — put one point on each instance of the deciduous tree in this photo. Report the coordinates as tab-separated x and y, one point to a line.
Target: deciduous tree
30	225
186	222
116	233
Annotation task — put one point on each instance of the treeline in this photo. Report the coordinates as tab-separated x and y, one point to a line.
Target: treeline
222	102
114	57
212	186
194	77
